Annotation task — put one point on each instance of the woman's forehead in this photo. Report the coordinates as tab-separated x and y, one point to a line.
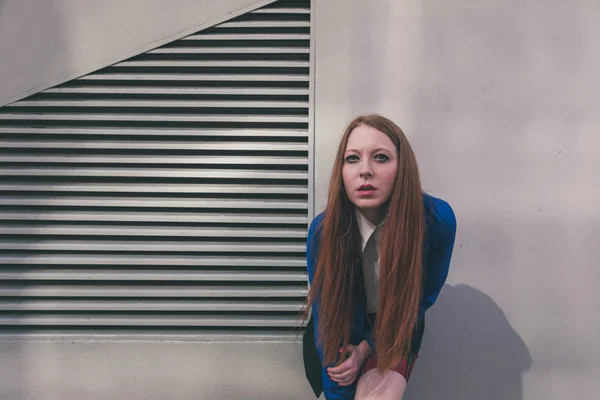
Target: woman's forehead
365	137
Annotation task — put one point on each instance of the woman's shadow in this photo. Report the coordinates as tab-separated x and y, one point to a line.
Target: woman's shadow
469	351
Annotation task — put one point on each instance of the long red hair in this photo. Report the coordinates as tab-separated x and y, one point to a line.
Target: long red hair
337	275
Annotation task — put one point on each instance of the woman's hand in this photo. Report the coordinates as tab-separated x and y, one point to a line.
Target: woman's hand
346	373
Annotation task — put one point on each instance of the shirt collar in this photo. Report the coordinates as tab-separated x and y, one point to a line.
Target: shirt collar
365	227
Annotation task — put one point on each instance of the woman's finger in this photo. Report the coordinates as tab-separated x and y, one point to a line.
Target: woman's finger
340	368
349	349
344	375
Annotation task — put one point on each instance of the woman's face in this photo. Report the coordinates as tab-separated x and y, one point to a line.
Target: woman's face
369	171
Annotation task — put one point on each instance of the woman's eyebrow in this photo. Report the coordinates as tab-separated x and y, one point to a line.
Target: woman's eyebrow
372	151
382	149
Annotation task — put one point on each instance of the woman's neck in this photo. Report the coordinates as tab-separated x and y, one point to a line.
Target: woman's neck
373	215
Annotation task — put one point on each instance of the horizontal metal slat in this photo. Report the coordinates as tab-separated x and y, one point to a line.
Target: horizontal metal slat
98	201
136	320
222	334
281	11
180	90
192	77
141	305
137	291
150	145
154	217
213	63
282	16
157	276
159	103
150	246
248	36
164	133
134	159
154	260
285	4
265	24
152	188
153	173
117	230
216	30
153	117
230	50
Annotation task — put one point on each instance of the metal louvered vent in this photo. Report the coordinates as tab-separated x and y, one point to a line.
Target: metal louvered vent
167	194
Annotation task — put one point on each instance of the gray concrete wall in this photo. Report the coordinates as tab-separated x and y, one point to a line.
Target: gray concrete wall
45	43
101	370
501	101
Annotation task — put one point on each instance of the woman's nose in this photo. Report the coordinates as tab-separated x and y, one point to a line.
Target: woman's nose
365	169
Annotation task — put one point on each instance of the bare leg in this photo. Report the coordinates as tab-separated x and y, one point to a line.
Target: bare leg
374	385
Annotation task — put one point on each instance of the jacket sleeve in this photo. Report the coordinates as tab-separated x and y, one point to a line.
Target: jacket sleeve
331	389
440	253
367	334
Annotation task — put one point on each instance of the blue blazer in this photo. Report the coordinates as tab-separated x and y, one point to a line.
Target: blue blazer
440	233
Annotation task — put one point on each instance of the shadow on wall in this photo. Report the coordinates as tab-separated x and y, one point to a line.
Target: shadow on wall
470	351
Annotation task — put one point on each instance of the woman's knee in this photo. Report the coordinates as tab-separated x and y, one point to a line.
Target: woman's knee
375	385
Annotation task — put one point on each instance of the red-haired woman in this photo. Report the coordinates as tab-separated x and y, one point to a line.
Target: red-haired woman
377	259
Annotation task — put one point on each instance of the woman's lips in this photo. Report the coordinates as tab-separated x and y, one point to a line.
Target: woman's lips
366	190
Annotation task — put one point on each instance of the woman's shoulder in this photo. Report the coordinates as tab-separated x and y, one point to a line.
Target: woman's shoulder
315	228
312	242
317	221
440	215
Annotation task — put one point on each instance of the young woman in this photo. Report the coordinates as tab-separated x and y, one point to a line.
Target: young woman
377	259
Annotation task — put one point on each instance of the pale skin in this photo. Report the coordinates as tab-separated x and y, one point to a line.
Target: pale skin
369	173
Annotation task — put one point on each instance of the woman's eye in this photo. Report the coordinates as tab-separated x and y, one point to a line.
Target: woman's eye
381	158
352	158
